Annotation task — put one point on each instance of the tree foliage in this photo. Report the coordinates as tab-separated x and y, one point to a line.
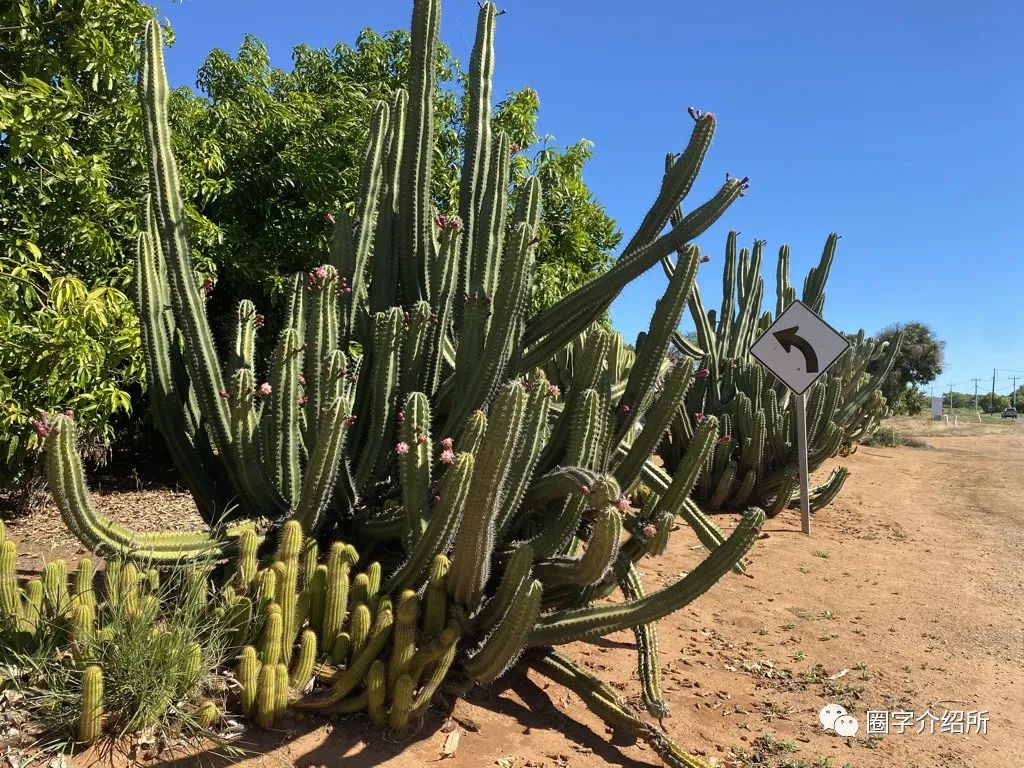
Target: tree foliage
266	155
70	174
918	361
282	151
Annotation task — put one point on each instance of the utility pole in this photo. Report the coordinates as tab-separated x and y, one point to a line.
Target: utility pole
950	399
1013	392
992	399
975	393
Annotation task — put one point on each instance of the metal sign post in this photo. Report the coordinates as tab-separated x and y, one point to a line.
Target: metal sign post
798	348
801	449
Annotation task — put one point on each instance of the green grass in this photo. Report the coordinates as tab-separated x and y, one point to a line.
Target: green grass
146	686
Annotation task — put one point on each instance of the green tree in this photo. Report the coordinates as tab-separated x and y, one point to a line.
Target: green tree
70	175
289	146
266	156
918	361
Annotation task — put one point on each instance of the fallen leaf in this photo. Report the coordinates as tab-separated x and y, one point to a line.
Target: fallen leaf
451	744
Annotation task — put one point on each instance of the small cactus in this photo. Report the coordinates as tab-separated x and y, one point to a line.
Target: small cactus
90	721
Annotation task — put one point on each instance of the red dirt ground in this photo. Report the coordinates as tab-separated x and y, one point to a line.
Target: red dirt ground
906	597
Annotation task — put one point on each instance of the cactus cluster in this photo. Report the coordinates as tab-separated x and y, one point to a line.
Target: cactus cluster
78	614
755	462
475	461
328	626
336	635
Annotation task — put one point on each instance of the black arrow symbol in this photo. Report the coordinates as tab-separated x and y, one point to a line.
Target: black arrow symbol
789	338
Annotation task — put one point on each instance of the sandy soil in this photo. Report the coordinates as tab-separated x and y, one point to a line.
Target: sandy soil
906	597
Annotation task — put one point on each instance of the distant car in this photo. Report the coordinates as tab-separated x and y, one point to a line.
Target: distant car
1010	413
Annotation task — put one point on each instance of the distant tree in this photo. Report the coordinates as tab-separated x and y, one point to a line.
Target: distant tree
918	361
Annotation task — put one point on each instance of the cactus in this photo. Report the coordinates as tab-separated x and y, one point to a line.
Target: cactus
10	600
248	678
90	721
266	696
757	464
458	466
303	671
208	714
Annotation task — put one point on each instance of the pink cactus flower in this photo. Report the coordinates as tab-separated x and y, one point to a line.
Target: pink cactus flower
352	419
705	259
447	444
69	412
400	417
421	438
41	428
436	500
650	530
585	490
703	373
623	503
554	391
725	440
302	380
259	321
447	457
624	408
317	278
448	223
698	416
402	448
225	394
329	217
208	284
265	389
302	401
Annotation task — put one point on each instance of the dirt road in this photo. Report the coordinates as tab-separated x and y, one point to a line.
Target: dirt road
906	598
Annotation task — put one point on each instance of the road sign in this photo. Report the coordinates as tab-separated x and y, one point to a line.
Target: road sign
798	348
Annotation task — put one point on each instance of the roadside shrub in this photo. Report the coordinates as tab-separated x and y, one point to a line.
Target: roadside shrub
890	437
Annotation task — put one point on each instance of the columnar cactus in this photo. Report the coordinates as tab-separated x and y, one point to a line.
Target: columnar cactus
90	721
756	461
413	411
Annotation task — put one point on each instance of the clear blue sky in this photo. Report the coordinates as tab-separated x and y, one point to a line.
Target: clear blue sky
898	125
